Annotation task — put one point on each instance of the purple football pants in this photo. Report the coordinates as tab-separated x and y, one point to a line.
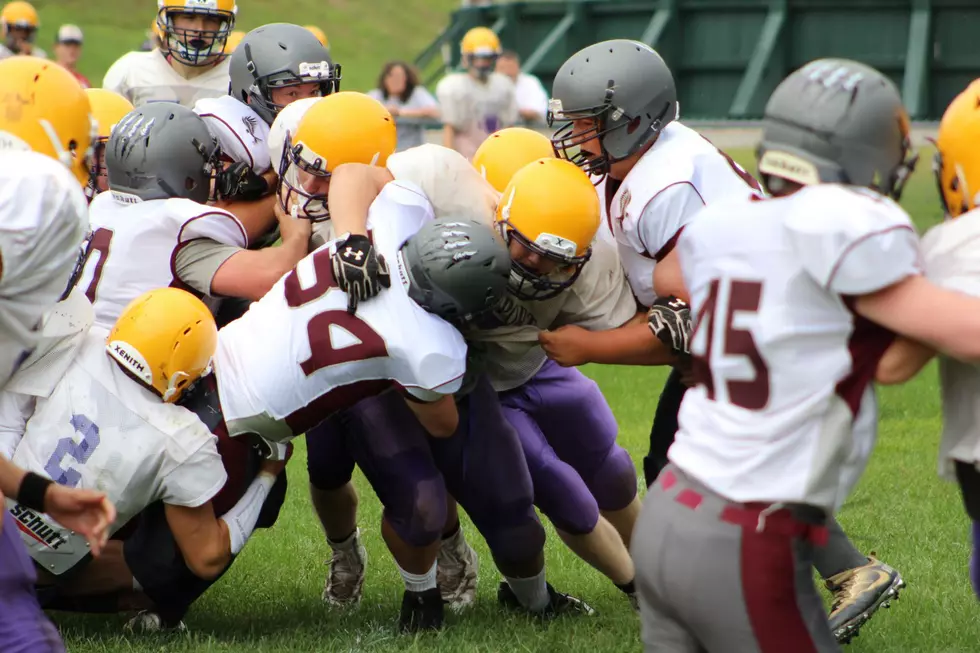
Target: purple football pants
568	433
23	626
481	465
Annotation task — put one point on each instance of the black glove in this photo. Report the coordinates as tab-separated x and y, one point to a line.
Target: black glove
239	181
670	321
359	272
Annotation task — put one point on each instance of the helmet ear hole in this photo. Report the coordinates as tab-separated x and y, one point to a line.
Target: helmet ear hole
189	184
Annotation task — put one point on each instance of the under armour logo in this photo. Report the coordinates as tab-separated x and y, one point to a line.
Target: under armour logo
349	252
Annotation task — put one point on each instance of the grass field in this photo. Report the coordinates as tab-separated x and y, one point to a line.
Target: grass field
270	600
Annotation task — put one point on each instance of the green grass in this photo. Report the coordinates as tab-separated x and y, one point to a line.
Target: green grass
363	35
270	600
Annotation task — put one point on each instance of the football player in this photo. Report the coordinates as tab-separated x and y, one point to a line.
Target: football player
160	160
108	108
657	179
190	63
45	154
505	152
19	23
477	101
765	455
949	253
72	416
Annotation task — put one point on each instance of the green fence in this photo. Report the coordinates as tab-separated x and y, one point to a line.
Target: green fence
728	55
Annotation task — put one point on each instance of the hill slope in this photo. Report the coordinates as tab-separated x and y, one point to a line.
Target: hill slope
363	35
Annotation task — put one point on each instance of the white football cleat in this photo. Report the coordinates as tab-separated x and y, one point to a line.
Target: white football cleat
346	577
457	571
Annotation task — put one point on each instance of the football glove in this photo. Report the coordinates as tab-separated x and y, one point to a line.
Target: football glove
358	270
239	181
670	320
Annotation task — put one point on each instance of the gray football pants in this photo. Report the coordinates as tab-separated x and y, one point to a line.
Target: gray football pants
710	580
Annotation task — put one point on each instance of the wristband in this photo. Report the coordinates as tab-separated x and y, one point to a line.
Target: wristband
32	490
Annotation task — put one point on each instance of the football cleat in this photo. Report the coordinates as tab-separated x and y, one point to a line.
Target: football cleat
858	593
346	577
558	603
457	571
421	611
146	622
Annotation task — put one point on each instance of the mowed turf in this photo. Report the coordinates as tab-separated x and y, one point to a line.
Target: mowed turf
270	600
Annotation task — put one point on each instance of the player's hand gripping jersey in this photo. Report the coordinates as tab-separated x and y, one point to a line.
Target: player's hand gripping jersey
242	135
143	77
134	244
679	175
86	424
326	359
784	410
951	255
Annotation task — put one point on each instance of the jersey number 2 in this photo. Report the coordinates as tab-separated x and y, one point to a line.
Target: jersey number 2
80	451
742	297
322	352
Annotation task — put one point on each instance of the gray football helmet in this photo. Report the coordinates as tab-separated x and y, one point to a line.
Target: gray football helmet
627	92
162	150
456	269
275	56
836	121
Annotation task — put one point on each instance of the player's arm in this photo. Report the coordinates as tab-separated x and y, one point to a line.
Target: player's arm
221	270
353	188
15	410
208	542
257	216
631	344
903	360
436	412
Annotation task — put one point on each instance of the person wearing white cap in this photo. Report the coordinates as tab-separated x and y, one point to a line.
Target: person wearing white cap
68	49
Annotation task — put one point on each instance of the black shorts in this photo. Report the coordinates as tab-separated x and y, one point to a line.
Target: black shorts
969	480
157	565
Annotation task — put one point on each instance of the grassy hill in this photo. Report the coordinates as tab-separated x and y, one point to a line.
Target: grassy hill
363	35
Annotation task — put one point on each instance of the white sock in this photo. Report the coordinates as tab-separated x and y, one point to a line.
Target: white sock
344	544
419	582
531	592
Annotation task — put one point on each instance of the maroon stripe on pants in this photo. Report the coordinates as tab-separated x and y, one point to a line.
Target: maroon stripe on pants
769	588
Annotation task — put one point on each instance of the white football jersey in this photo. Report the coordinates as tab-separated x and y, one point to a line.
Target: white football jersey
43	219
242	135
98	429
600	299
679	175
325	359
143	77
133	246
951	255
476	109
784	409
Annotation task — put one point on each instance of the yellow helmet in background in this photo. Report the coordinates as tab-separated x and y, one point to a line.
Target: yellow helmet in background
21	15
320	35
47	111
505	152
233	40
480	42
182	43
957	162
344	127
164	339
551	208
108	108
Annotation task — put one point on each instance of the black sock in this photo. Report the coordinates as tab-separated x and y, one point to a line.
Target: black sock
451	533
343	539
628	588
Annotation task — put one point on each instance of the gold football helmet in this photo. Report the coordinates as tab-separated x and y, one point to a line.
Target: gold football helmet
505	152
233	40
551	209
164	339
20	16
320	35
344	127
957	162
46	110
108	108
480	48
195	45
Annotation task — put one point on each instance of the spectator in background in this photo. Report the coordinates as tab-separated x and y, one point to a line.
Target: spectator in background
532	99
19	23
399	90
479	101
68	49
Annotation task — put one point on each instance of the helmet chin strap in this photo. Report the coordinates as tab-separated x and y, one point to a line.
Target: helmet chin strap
61	153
